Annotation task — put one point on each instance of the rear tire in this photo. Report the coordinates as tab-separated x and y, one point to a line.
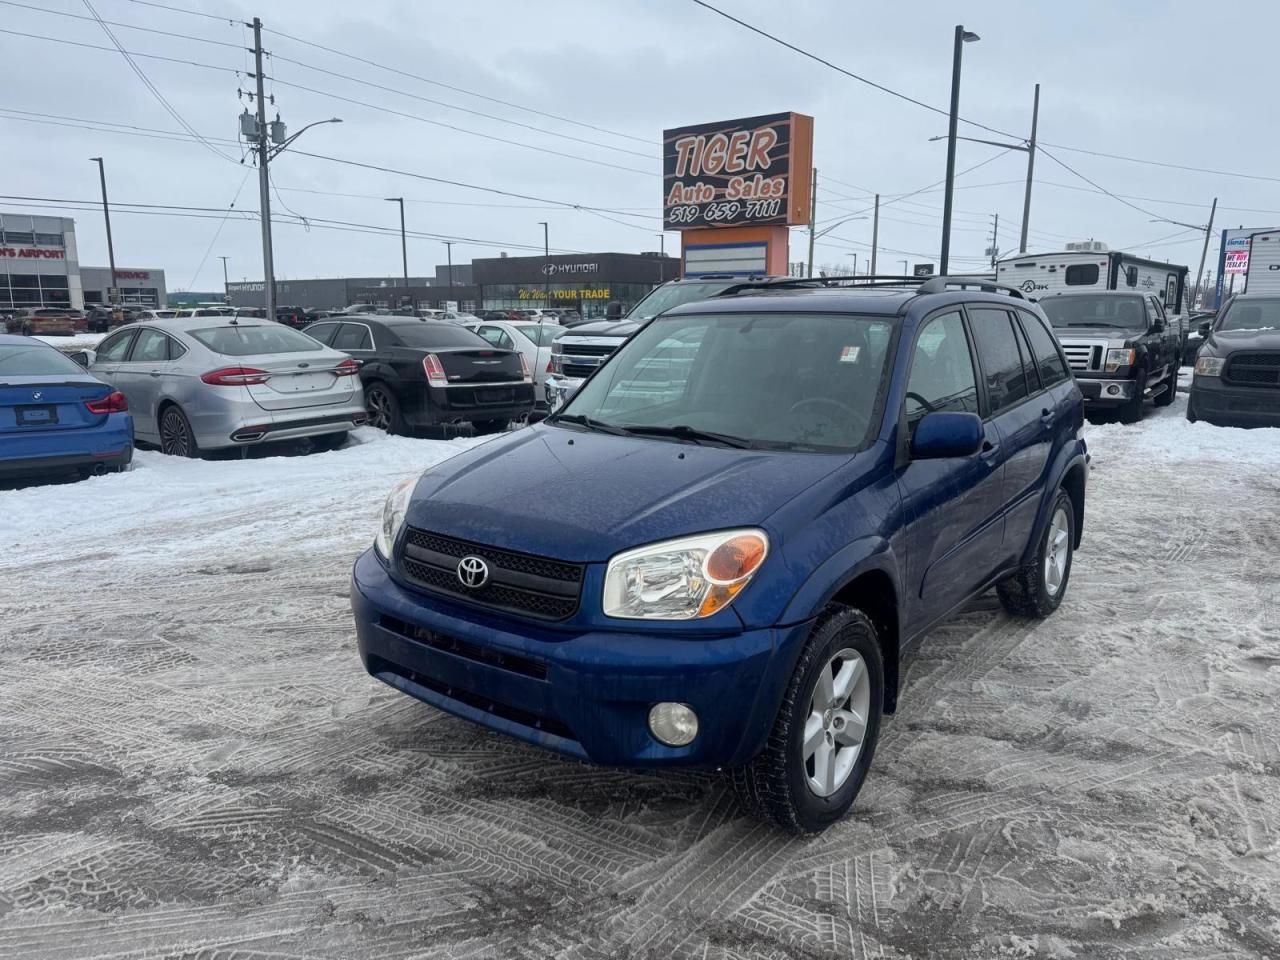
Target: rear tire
490	426
804	780
383	408
177	439
1038	587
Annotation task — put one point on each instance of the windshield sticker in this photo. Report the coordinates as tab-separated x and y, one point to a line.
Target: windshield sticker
849	354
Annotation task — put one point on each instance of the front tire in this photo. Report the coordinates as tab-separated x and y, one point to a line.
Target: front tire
1038	587
1171	388
384	409
824	737
1132	410
177	439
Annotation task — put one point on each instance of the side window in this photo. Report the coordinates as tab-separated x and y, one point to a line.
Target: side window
1131	277
353	336
1028	358
151	347
321	331
1157	309
505	341
114	348
1082	274
492	334
1053	369
1000	356
175	348
1171	292
942	375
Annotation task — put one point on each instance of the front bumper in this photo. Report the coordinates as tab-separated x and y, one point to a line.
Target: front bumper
586	695
1104	392
1220	403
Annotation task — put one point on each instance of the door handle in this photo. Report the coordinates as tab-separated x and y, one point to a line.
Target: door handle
155	373
1046	417
989	449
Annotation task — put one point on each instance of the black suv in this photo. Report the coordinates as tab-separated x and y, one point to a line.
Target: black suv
1237	378
1123	348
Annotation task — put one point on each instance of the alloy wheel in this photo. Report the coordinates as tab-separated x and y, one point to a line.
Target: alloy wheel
836	722
379	409
1057	552
175	440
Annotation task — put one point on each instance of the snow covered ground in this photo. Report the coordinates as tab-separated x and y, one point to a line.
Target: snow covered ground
193	763
77	341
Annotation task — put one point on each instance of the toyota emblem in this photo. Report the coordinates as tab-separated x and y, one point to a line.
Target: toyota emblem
473	572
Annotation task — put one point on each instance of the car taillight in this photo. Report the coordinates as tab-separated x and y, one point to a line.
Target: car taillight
115	402
235	376
551	366
347	368
524	369
434	370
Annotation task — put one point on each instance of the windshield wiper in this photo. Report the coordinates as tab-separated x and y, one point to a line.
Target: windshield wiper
692	434
599	426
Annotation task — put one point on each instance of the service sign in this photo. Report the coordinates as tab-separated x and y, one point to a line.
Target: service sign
753	171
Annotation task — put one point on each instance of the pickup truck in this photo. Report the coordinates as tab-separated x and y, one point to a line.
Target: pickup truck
576	354
1123	348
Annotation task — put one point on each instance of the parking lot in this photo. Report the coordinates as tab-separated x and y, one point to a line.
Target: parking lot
195	764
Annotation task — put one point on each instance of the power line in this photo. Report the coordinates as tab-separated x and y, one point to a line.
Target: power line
118	23
169	108
1099	186
193	13
217	233
129	53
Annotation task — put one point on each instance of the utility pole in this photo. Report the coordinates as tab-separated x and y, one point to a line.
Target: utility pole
662	257
226	297
875	236
113	295
994	250
404	249
813	215
264	182
1208	230
546	263
448	245
1031	167
963	36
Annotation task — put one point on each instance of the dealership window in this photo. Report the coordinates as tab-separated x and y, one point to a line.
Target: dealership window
49	239
53	281
24	281
1082	274
19	236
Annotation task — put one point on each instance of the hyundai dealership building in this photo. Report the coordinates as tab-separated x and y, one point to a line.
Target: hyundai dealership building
40	267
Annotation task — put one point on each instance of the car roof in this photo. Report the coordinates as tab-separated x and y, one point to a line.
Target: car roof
13	340
183	324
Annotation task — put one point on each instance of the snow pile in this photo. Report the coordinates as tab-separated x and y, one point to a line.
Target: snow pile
77	341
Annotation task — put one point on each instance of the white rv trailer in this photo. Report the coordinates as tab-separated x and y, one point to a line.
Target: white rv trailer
1263	272
1091	264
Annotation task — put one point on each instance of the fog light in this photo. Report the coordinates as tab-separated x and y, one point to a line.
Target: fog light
1113	390
673	724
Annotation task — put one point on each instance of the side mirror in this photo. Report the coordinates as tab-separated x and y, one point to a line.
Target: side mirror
82	357
613	311
1157	326
1205	327
942	436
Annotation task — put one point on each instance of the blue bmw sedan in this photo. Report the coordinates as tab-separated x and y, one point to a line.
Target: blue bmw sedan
55	417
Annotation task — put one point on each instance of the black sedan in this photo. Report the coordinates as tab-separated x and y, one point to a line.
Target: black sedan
1237	373
421	373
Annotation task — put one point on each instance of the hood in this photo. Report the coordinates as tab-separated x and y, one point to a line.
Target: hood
603	328
1225	342
580	496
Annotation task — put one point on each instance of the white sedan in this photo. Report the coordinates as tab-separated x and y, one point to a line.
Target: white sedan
532	339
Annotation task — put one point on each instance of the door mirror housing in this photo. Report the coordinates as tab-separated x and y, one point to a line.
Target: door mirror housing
82	357
943	435
1205	327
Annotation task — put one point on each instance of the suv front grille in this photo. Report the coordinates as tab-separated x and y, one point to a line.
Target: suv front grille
536	587
1253	370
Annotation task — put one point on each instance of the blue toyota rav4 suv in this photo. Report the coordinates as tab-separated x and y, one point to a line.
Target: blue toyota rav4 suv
724	547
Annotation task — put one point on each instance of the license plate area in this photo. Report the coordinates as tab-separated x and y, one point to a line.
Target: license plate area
495	395
37	415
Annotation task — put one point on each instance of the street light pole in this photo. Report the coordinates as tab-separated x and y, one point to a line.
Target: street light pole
226	297
448	245
264	179
963	36
875	235
1031	168
404	249
113	295
662	257
904	268
546	262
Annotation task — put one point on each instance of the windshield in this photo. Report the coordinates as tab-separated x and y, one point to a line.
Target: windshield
1125	313
435	333
672	295
541	333
36	361
1252	315
242	340
771	381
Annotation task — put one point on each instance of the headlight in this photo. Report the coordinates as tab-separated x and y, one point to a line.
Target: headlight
1210	366
1119	358
393	512
683	579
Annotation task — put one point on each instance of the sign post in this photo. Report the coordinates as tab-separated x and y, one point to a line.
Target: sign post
732	188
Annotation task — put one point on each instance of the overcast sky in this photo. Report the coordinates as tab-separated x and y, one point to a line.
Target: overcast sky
1176	82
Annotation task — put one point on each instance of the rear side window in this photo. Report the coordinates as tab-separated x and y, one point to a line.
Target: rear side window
151	346
114	348
1082	274
1053	369
243	340
1000	357
321	331
942	375
353	336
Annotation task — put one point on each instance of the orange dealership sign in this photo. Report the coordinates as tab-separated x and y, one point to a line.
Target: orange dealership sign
757	170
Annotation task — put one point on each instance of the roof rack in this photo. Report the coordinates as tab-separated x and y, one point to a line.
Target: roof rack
936	284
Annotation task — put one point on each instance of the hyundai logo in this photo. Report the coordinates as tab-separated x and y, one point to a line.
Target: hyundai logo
473	572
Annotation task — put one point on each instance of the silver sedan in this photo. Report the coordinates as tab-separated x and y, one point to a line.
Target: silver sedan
208	383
